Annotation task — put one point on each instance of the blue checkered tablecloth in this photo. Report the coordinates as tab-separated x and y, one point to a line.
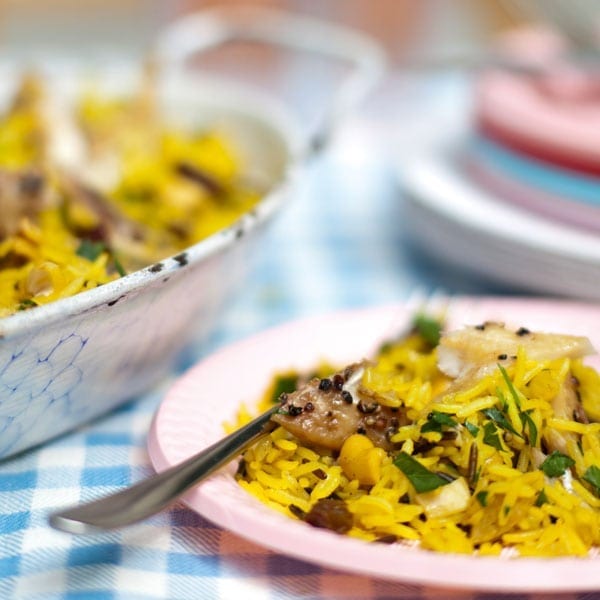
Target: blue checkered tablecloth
339	245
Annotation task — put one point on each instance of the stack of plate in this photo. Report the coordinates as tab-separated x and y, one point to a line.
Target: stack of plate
517	197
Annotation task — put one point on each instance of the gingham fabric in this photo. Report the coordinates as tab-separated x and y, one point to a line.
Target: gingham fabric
340	244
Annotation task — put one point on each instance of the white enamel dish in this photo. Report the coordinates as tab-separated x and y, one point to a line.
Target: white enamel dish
67	362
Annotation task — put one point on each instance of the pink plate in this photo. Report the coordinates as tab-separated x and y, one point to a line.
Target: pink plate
192	415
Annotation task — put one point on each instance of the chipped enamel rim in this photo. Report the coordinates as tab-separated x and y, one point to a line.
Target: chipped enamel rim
272	116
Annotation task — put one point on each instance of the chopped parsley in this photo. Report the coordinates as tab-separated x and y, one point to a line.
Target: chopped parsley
541	499
472	429
592	476
118	266
496	415
436	420
511	387
490	436
284	384
428	328
556	464
482	497
26	303
422	479
528	421
90	250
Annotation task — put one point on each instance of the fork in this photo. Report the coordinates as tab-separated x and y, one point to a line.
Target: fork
155	493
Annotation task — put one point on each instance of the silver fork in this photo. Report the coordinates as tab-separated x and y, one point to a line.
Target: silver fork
155	493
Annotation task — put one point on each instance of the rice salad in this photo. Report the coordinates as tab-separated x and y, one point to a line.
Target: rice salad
488	443
93	191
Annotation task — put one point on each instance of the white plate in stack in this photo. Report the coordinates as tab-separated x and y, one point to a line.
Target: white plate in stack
457	220
515	195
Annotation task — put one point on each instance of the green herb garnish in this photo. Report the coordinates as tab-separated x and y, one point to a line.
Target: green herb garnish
436	420
556	464
511	387
490	436
118	266
422	479
500	419
528	421
472	429
283	384
26	304
428	328
541	499
482	497
592	476
90	250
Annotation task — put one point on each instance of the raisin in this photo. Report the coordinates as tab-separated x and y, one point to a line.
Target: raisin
330	514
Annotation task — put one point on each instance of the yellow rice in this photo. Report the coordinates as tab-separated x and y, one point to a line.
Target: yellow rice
42	260
513	506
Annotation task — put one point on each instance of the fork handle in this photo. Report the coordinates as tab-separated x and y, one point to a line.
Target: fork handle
152	495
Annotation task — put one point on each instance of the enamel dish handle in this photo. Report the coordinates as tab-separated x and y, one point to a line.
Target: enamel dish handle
199	32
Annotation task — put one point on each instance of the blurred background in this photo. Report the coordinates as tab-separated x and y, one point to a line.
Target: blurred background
30	26
74	30
101	31
411	109
110	31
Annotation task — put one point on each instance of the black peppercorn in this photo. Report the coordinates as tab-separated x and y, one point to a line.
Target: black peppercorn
325	385
347	396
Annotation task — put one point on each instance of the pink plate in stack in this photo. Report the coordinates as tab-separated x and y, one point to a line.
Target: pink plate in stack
517	196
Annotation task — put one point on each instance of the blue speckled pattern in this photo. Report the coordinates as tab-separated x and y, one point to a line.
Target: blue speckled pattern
64	374
339	245
37	382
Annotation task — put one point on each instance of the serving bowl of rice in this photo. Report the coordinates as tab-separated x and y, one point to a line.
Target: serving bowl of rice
131	209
